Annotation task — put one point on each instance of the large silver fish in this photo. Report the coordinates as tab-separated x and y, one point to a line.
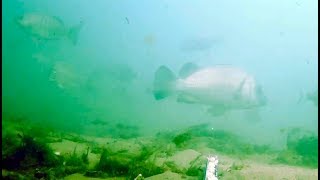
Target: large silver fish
48	27
221	87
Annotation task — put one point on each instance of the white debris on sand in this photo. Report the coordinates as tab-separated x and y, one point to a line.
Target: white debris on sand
211	171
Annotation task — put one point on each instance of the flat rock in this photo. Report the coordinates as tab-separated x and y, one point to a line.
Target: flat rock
82	177
184	159
125	146
67	147
170	176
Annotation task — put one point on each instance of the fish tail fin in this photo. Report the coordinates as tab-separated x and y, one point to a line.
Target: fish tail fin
164	83
74	33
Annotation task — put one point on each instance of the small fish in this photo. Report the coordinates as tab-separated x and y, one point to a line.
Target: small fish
311	96
99	122
199	44
128	22
48	27
221	87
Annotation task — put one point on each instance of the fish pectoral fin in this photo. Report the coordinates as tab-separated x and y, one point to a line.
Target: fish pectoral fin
217	110
186	98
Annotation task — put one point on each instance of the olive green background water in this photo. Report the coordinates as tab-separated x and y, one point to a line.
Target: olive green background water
276	41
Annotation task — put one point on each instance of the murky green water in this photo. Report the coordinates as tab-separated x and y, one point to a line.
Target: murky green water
102	88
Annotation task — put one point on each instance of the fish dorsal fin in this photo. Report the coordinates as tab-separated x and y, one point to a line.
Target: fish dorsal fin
59	20
238	91
241	84
187	69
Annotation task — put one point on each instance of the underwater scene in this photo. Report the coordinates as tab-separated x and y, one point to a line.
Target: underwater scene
159	89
